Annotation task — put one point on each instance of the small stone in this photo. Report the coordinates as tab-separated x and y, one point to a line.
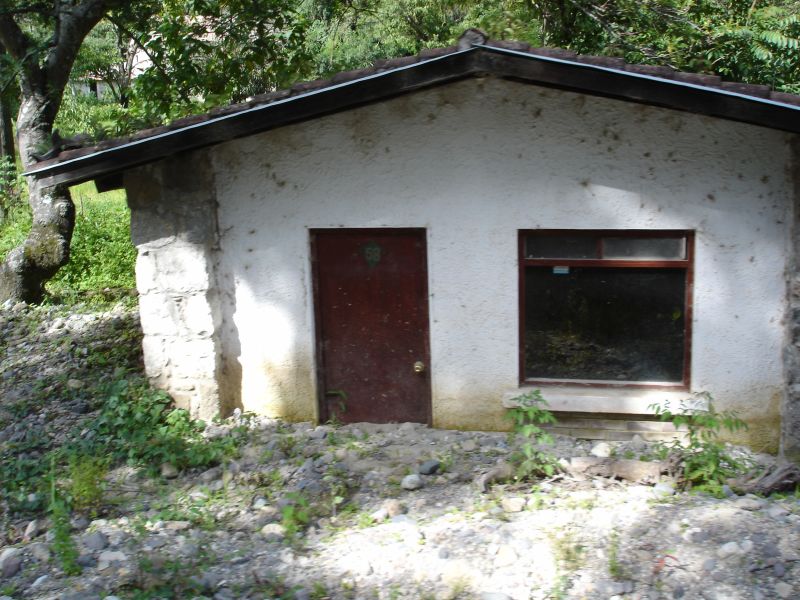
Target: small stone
95	541
379	516
778	569
260	502
771	550
506	556
109	558
39	551
39	582
74	384
601	450
494	596
273	532
727	491
32	530
302	594
469	445
429	467
663	490
746	546
777	512
10	562
169	471
87	561
394	507
637	444
513	505
748	503
709	564
678	592
729	549
783	589
444	553
412	482
79	522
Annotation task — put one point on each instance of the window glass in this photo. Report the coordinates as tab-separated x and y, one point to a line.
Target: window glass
654	248
561	246
606	324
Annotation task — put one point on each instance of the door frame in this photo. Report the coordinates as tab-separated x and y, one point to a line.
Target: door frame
421	233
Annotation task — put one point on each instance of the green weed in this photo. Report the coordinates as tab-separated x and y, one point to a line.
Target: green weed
527	418
704	461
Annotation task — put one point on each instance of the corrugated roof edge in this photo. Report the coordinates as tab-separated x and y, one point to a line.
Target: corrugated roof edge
471	40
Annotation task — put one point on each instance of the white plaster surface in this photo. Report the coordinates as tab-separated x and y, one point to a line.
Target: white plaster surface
474	162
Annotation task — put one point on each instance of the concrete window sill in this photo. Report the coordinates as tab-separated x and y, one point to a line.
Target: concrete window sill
624	401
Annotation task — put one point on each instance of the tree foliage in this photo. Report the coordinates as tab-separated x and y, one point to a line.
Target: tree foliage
755	41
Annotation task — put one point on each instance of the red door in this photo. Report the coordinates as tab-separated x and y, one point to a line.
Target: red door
371	301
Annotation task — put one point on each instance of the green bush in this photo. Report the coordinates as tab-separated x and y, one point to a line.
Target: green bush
703	458
101	254
528	417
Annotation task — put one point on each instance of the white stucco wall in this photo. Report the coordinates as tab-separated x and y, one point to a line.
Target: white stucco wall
474	162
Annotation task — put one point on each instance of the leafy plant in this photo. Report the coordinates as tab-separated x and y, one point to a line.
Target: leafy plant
704	460
527	418
295	514
63	545
86	475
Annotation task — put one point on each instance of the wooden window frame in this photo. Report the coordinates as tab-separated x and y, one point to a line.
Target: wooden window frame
687	264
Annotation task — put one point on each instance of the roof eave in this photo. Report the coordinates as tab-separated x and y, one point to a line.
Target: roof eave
480	59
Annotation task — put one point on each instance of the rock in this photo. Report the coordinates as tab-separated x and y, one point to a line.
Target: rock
10	562
663	490
273	532
637	444
630	470
33	529
729	549
749	503
513	505
771	550
394	507
110	558
429	467
494	596
260	502
727	491
169	471
601	450
709	564
502	472
40	581
778	569
39	551
506	556
79	522
95	541
777	512
412	482
87	561
469	446
784	590
74	384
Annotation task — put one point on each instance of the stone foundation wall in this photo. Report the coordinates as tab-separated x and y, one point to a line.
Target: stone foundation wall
174	227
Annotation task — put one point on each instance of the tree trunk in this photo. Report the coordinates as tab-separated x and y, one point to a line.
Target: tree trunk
46	249
6	130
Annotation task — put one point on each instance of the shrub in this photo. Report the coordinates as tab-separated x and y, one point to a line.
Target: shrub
527	417
704	461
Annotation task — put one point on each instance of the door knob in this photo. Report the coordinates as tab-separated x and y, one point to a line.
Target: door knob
419	367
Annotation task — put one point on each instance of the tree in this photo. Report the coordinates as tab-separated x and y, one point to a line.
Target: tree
195	46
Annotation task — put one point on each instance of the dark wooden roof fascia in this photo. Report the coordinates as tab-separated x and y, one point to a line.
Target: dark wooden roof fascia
613	83
581	77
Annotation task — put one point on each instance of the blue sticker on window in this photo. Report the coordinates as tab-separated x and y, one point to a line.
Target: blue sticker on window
560	270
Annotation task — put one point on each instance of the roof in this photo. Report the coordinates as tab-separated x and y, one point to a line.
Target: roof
473	56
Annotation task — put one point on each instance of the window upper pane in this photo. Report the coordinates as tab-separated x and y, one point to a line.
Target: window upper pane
605	324
561	246
652	248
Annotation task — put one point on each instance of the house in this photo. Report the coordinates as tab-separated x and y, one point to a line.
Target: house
427	238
